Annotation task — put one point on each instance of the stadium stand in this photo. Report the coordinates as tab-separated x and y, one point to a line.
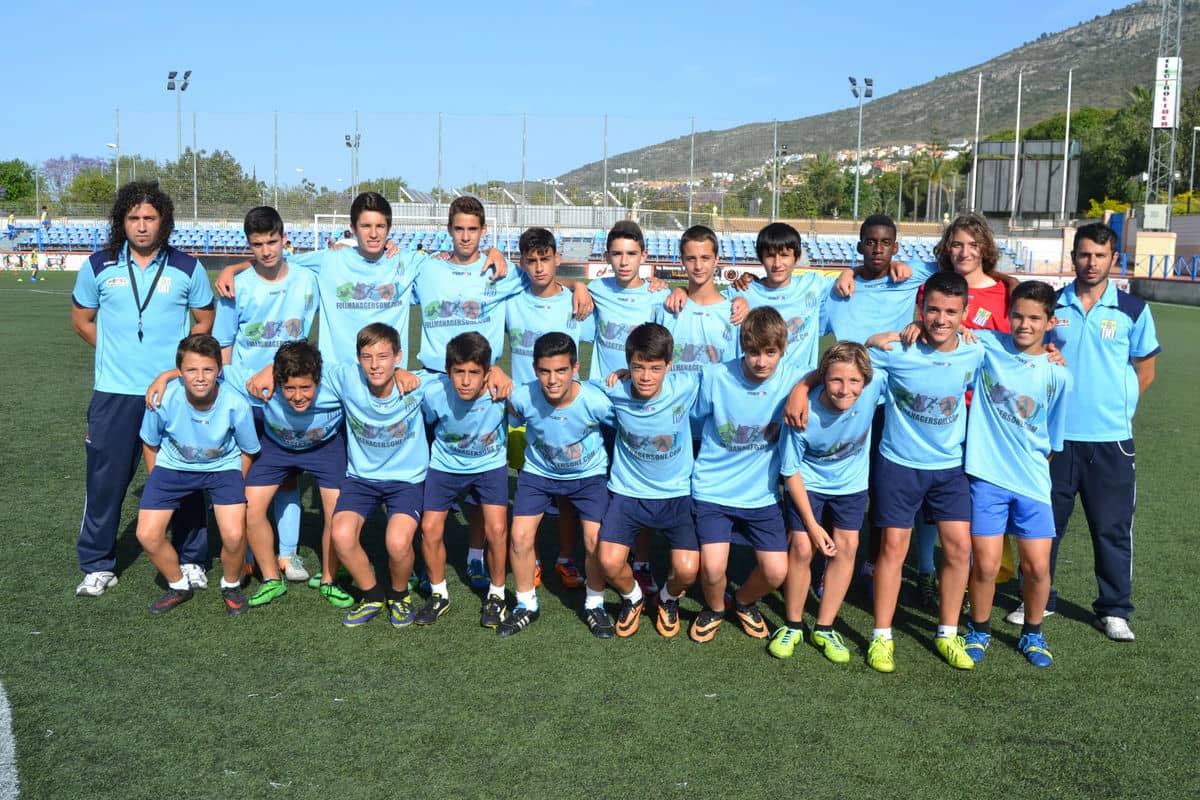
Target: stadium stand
661	246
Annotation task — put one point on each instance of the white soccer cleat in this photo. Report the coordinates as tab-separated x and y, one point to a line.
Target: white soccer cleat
1115	628
195	575
293	568
95	584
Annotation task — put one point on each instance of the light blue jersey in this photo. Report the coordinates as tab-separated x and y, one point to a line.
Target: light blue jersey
190	440
877	305
742	421
127	363
703	334
528	317
468	436
356	292
562	443
652	456
456	298
926	421
291	429
799	303
833	454
264	315
1098	346
387	434
1018	414
618	311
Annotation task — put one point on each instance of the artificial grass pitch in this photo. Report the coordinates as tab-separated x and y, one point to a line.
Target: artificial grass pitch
109	702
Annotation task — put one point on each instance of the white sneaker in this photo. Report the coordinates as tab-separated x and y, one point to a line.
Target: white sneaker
94	584
293	568
1017	615
1115	628
195	575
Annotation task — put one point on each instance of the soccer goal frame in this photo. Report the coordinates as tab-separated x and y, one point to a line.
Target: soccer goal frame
318	243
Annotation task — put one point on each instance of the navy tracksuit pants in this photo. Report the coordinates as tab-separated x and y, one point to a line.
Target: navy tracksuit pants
114	448
1102	474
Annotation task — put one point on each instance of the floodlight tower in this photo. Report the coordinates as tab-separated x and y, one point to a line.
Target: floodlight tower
868	89
1164	121
178	87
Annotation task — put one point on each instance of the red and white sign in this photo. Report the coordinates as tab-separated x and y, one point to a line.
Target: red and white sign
1166	92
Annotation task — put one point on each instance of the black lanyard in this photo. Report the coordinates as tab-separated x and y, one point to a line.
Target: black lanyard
137	299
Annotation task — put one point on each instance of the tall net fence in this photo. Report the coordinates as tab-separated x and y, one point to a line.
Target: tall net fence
527	168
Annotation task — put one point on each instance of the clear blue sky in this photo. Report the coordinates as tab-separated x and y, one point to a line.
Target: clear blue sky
649	65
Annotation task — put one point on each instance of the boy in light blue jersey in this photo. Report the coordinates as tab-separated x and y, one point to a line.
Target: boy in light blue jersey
456	296
825	468
199	438
274	304
1017	420
650	483
623	301
920	461
799	299
564	457
702	328
302	421
736	477
544	307
388	456
469	454
881	294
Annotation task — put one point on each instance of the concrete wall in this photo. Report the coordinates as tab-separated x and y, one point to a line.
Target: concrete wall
1185	293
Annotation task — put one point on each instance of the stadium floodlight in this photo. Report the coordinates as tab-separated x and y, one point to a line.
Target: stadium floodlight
353	143
868	90
116	164
178	87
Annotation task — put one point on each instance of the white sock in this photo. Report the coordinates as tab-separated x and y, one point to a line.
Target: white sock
665	596
496	591
439	588
635	594
642	565
947	631
594	599
229	584
474	554
528	599
181	584
886	633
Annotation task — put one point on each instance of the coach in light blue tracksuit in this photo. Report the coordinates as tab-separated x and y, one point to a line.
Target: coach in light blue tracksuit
1108	340
132	303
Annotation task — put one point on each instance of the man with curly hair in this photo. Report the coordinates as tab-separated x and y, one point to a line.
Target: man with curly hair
134	302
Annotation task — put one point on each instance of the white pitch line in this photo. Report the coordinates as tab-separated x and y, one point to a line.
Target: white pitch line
8	751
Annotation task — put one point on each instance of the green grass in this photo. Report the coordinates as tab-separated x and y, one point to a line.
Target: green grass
111	703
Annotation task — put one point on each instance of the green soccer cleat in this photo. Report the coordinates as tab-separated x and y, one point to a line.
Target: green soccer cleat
784	640
832	646
268	591
881	655
954	650
336	595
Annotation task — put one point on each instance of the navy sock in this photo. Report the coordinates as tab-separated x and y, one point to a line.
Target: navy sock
823	628
1029	627
375	594
795	624
982	627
